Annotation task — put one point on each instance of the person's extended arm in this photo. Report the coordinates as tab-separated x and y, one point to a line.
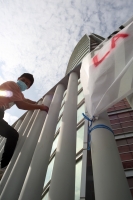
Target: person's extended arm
27	106
30	101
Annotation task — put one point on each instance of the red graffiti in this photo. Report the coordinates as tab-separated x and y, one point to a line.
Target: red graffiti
96	60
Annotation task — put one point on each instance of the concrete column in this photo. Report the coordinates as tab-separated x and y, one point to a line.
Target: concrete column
1	138
84	160
16	178
63	176
1	152
109	177
2	147
23	131
33	185
17	126
2	143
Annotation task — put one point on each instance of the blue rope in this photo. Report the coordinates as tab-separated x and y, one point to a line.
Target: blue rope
90	120
95	127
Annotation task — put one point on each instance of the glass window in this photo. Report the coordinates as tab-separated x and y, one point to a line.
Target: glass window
55	144
63	101
80	137
59	124
46	196
79	86
64	93
61	110
49	171
79	112
78	180
80	97
64	97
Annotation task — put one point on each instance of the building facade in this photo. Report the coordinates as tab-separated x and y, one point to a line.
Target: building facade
121	119
45	165
84	46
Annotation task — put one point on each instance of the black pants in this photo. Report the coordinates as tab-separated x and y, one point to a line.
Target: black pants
12	137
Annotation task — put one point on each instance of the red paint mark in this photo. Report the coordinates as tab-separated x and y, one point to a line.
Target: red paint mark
116	37
95	59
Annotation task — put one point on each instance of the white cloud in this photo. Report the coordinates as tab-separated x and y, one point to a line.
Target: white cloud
10	118
39	36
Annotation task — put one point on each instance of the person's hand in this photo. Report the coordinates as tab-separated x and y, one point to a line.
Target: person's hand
44	108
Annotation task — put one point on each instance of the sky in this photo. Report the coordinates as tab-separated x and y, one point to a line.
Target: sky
38	37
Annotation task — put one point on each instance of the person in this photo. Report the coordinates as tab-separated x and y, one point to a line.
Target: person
10	94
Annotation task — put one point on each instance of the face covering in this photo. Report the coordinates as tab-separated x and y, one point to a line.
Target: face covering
22	85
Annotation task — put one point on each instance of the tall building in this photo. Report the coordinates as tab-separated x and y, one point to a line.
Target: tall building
44	161
84	46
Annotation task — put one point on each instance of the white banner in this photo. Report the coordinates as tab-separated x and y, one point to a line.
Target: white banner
107	77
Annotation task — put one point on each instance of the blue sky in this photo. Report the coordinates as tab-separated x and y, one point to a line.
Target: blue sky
38	37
